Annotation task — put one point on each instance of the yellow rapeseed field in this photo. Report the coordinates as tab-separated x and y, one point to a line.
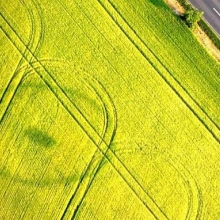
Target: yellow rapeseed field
109	109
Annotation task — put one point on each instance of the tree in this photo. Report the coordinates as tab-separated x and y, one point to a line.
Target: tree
192	16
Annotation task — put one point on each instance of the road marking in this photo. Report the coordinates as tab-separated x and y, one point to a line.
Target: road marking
216	11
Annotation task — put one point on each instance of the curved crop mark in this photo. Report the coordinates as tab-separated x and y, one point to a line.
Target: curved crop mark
38	24
194	193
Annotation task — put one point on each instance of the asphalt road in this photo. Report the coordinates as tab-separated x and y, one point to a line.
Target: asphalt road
211	9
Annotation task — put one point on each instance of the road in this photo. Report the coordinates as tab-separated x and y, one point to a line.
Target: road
211	10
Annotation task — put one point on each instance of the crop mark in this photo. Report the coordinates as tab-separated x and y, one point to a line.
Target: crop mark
195	203
20	180
166	76
84	124
33	183
40	138
33	134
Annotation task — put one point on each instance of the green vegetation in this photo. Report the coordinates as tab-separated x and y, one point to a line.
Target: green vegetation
184	3
192	16
108	111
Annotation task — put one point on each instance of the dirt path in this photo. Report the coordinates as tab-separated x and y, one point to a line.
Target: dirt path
199	33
